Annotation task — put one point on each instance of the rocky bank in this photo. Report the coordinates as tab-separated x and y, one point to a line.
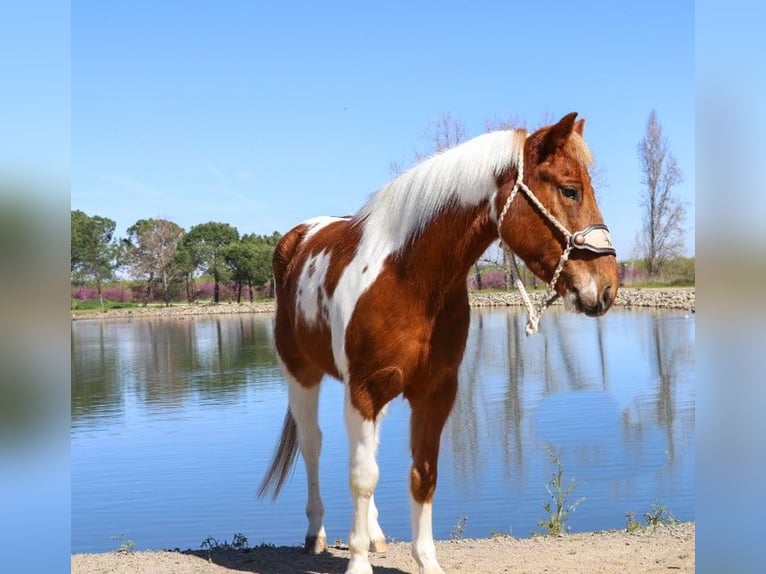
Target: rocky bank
632	298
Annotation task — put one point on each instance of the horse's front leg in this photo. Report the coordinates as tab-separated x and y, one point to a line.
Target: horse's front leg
363	478
377	538
428	418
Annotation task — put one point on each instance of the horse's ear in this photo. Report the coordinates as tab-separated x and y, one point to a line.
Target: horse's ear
579	126
559	133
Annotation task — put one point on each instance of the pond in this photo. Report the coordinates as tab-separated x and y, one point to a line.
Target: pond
174	422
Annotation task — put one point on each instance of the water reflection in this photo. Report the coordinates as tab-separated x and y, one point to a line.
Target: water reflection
615	394
199	402
162	362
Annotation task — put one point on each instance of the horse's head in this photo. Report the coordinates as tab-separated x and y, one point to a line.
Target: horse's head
555	208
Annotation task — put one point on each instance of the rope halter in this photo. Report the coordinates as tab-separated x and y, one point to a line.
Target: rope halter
594	238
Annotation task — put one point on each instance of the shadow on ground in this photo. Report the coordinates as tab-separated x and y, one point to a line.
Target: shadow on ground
283	560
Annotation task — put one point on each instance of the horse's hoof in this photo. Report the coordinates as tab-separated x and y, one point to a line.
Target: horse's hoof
355	567
315	544
378	546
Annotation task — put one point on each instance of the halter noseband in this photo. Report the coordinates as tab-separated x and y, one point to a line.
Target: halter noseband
594	238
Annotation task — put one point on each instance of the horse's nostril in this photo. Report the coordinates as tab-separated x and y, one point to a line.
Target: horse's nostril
606	298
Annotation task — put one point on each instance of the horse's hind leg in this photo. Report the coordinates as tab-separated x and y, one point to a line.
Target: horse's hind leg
304	406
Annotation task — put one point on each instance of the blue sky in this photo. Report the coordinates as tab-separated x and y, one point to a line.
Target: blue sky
261	115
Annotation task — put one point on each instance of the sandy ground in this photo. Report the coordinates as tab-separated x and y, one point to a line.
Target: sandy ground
667	549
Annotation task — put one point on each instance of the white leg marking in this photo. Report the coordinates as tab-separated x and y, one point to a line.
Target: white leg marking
423	549
304	404
363	477
377	538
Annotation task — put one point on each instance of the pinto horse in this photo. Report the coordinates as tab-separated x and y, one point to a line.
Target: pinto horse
379	301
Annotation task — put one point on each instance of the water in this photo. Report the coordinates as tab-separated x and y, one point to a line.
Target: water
174	423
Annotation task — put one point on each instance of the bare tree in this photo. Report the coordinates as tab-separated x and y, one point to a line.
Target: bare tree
509	122
445	132
442	133
150	251
662	233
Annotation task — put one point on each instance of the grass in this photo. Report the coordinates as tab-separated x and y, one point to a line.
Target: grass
658	284
93	305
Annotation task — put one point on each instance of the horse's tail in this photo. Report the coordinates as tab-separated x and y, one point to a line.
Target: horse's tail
283	461
286	451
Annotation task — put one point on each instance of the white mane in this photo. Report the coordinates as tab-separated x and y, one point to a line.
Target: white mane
463	175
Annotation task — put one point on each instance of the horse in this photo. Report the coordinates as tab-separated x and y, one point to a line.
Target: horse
379	301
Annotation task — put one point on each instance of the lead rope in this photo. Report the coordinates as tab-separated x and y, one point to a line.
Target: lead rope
534	312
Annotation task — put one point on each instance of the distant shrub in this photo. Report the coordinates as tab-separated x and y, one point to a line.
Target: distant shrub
205	291
84	293
491	278
118	293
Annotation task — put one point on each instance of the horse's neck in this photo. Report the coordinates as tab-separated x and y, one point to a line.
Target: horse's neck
441	256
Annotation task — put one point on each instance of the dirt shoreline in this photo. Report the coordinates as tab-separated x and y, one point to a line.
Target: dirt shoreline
666	549
682	298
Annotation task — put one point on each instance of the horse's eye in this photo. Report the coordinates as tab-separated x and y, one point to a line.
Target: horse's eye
571	193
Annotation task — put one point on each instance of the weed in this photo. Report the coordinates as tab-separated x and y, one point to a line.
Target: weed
557	507
126	546
632	525
655	517
457	532
497	534
658	515
239	542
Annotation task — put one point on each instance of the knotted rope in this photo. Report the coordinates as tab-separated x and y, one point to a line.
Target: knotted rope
534	312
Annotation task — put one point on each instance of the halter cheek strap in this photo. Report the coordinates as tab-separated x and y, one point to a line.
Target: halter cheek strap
594	238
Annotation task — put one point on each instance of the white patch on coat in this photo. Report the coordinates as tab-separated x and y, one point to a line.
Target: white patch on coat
311	287
316	223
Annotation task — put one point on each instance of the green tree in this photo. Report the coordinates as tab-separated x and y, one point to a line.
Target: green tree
249	261
150	251
206	243
187	265
93	250
240	259
264	274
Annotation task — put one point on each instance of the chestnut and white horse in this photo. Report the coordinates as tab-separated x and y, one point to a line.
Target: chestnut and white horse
378	300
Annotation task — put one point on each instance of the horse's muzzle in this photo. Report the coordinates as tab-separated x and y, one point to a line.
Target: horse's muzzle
593	302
